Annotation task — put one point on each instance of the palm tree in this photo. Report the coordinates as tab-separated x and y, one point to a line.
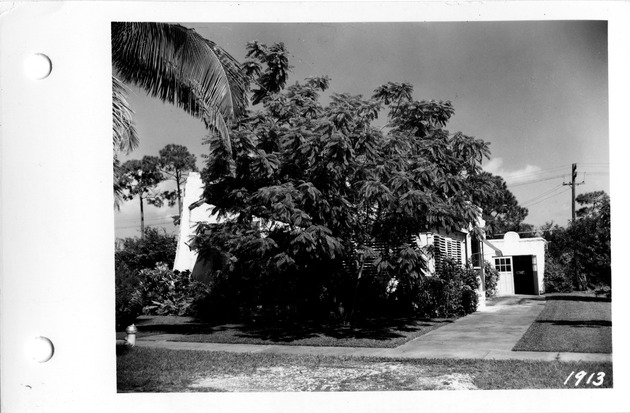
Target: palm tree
125	137
180	67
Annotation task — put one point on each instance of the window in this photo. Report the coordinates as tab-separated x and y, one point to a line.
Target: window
503	264
447	248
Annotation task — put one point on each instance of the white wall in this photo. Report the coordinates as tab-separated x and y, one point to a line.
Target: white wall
193	191
512	244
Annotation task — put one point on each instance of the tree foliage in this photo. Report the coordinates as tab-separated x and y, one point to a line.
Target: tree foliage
175	163
140	178
178	66
157	246
501	210
582	249
307	190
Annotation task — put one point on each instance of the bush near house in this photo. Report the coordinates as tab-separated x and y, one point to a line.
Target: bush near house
134	255
128	298
451	292
139	253
582	249
168	292
156	291
558	277
492	279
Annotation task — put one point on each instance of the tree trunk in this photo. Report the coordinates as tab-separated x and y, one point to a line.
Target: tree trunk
356	288
179	196
141	217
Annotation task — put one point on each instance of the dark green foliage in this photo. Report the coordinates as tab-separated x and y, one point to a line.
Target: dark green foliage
603	290
273	79
128	297
558	278
133	255
451	292
308	190
140	178
492	279
141	253
501	210
175	164
583	248
168	292
219	302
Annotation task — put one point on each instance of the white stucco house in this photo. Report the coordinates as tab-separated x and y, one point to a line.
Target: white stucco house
521	264
193	212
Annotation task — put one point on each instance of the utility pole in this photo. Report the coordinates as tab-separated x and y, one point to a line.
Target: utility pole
573	184
580	281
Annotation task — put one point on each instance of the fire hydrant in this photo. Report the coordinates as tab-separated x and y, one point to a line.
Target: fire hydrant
130	339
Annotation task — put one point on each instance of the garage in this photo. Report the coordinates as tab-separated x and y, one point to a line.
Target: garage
520	264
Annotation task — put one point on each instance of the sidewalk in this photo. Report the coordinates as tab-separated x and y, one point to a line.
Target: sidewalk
490	333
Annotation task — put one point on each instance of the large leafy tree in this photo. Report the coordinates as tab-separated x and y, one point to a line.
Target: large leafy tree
590	236
178	66
583	247
140	178
501	210
308	191
176	162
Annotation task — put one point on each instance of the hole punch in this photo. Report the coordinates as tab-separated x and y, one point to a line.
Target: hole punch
38	66
40	349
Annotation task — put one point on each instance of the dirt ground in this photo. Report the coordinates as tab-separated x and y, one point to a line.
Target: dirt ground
355	377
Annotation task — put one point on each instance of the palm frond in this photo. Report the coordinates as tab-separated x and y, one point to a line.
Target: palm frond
125	136
118	183
179	66
215	121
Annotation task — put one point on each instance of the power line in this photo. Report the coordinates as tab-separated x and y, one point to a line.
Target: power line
535	181
534	173
130	220
542	195
548	198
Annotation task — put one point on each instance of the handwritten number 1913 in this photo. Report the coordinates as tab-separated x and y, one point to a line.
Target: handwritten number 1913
599	378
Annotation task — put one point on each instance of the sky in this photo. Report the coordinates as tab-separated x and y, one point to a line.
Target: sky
537	91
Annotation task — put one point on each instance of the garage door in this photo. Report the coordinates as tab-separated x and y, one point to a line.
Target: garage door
505	285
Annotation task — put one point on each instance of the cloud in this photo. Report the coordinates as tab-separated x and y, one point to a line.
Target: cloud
495	167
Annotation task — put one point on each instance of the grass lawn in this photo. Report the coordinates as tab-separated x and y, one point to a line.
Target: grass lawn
373	333
160	370
571	323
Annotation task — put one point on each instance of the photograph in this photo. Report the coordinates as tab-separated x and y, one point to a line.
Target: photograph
361	206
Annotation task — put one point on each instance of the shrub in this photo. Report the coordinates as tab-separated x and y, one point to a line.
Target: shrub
492	279
470	300
217	302
604	290
138	253
452	291
557	279
168	292
128	296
